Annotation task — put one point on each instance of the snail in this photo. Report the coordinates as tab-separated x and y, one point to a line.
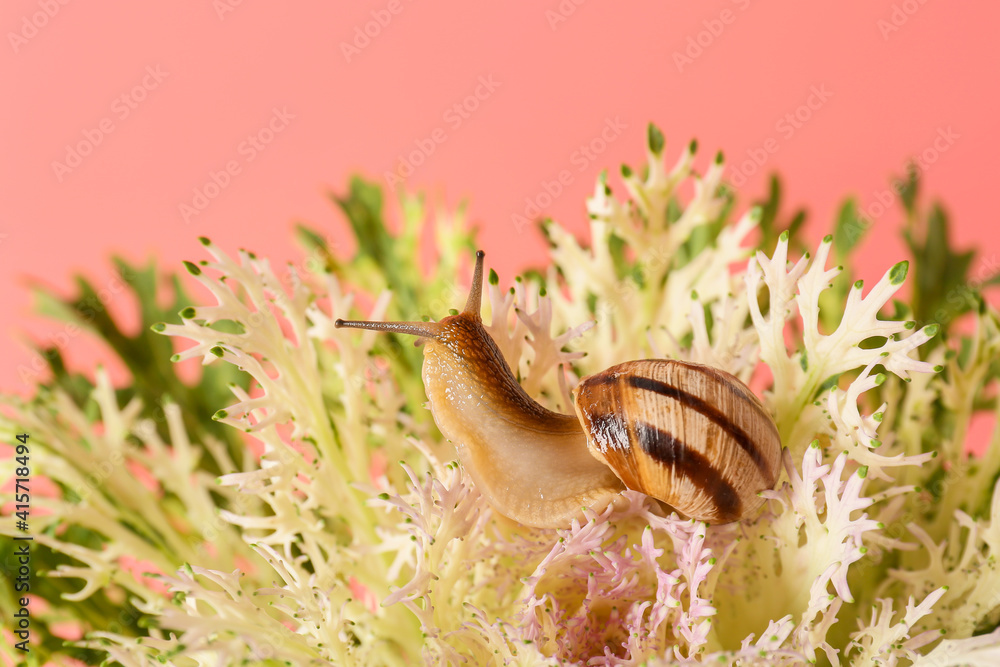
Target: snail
689	435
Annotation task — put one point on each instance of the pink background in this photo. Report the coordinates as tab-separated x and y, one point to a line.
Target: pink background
892	78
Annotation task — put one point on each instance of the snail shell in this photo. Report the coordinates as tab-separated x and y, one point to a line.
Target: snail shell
692	436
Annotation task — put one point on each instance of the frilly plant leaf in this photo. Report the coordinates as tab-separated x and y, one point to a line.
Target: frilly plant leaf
146	355
387	262
154	386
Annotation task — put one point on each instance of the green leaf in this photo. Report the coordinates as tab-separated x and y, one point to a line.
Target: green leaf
616	250
317	245
848	230
655	140
908	189
941	289
827	384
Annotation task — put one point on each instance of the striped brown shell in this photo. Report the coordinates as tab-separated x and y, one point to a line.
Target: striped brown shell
690	435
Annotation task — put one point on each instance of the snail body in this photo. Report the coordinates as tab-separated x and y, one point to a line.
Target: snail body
690	435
